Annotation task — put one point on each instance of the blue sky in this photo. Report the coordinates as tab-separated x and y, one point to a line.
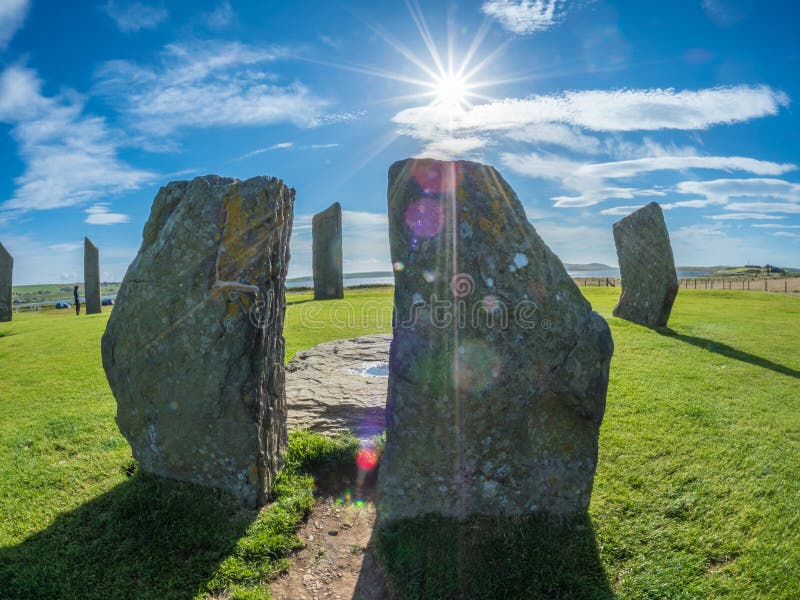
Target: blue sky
588	108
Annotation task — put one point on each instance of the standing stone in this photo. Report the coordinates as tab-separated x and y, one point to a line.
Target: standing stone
646	266
6	270
327	251
194	347
498	367
91	277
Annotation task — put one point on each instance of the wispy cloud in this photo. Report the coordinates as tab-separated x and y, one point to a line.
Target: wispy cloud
131	17
775	225
786	234
209	84
722	12
601	110
722	191
280	146
67	247
742	217
620	210
12	16
70	157
222	16
765	207
100	214
323	146
592	179
525	16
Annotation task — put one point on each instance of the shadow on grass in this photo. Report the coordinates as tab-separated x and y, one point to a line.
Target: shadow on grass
146	538
492	557
293	302
729	351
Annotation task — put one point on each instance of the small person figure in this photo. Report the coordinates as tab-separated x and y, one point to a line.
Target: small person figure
77	301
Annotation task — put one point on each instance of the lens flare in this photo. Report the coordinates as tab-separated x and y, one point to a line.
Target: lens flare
425	217
366	459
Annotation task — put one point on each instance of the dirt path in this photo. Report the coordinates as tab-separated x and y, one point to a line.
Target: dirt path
337	562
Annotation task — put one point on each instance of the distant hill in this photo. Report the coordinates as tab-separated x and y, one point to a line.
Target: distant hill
362	275
589	267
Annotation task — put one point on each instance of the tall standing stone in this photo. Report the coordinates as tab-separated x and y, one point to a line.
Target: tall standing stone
646	266
327	253
498	366
6	271
194	347
91	277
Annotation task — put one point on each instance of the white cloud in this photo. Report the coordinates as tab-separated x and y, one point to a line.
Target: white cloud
70	157
722	13
12	16
131	17
688	204
99	214
220	17
721	191
602	110
558	135
451	148
280	146
776	225
786	234
620	210
765	207
67	247
209	84
323	146
525	16
578	243
591	179
631	168
744	216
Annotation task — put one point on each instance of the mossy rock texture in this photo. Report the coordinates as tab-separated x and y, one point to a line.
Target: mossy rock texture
194	347
498	366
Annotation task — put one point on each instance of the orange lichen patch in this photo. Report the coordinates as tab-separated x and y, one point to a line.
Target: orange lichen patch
233	309
236	252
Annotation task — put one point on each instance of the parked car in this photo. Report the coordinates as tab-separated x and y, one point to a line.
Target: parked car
63	305
107	302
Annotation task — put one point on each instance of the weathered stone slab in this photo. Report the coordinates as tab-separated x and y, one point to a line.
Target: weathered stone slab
340	386
326	231
646	266
91	277
6	272
194	349
498	368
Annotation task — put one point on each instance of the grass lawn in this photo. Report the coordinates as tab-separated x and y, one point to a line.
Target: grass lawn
697	491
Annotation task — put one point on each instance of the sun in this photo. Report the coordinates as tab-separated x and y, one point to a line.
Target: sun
451	91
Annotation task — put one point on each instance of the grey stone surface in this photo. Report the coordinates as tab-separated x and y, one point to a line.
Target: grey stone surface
340	386
194	347
6	273
91	277
326	230
498	365
646	266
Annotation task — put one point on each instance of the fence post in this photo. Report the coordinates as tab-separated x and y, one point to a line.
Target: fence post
785	287
765	285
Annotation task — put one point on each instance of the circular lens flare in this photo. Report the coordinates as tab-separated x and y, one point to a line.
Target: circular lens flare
366	459
425	217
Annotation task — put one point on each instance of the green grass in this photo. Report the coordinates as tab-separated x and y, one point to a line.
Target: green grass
696	495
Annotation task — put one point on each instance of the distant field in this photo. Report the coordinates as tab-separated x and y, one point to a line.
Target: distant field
696	495
55	291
